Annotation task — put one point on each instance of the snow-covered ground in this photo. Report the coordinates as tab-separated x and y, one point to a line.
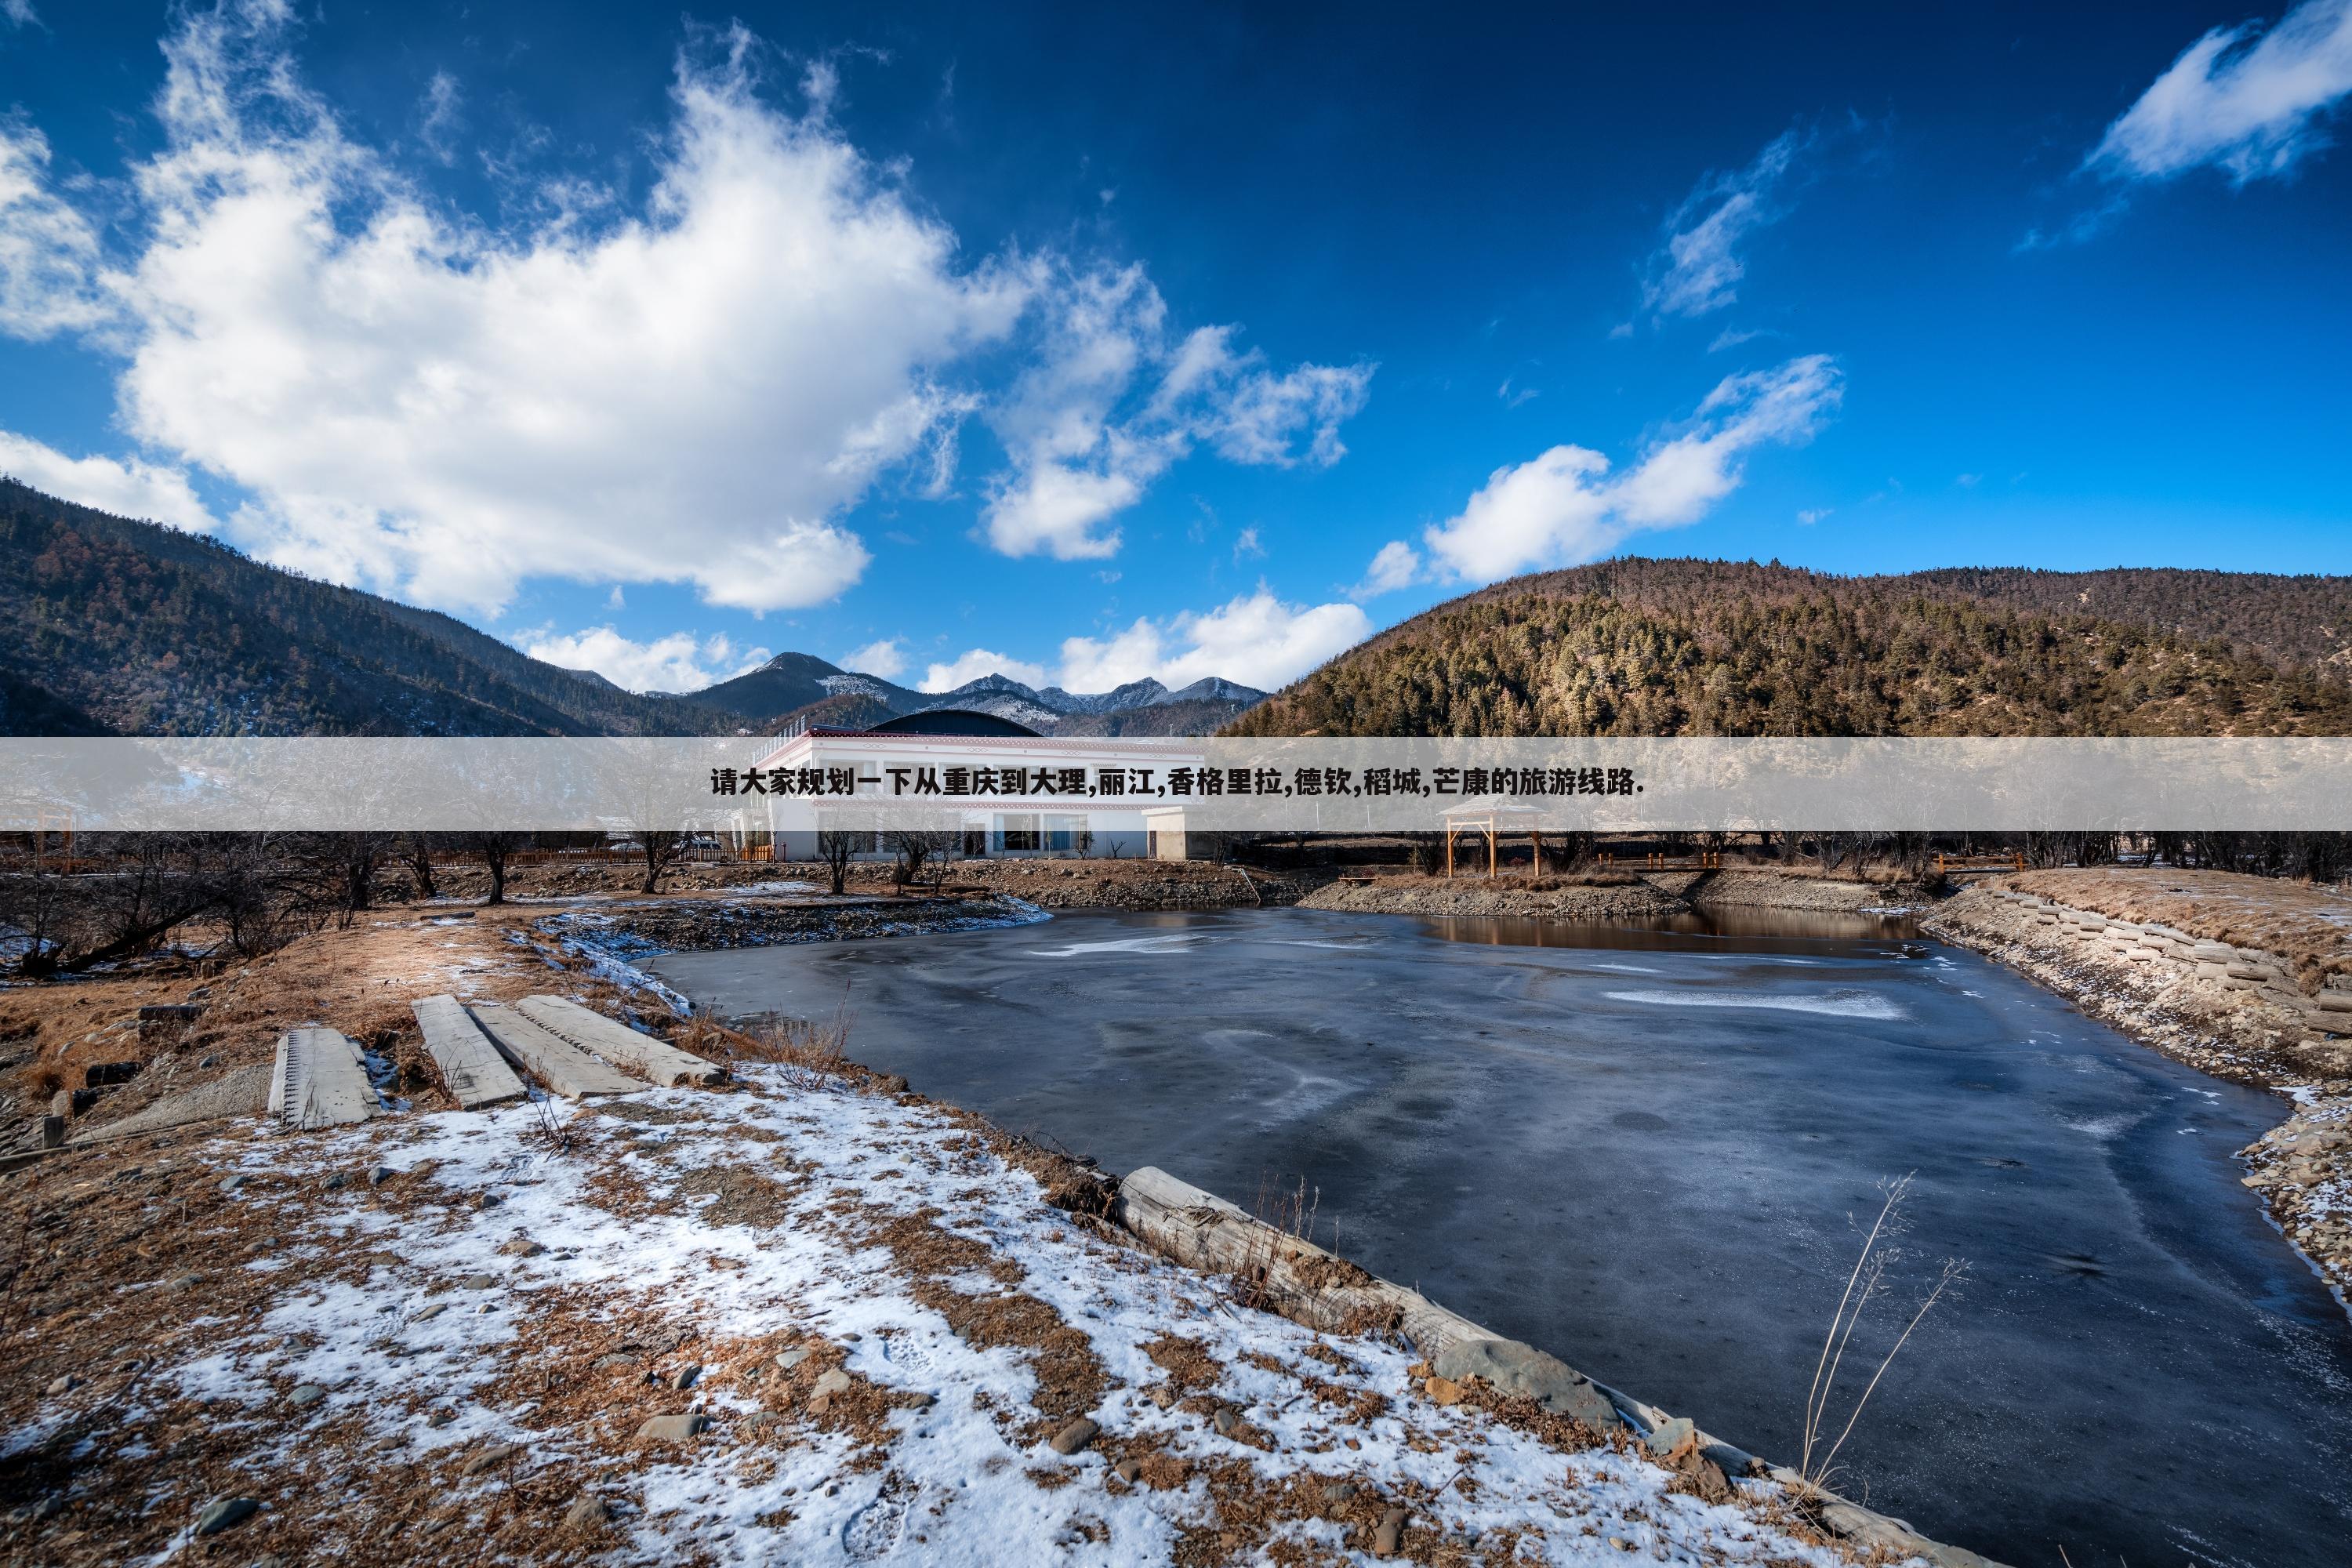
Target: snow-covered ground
892	1327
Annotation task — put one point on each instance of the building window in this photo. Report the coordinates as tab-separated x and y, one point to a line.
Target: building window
1016	832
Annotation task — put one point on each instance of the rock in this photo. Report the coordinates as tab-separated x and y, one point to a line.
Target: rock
791	1359
587	1513
337	1182
1225	1420
922	1401
378	1175
223	1512
477	1281
1389	1539
1621	1543
834	1382
488	1199
1671	1436
306	1395
1442	1390
65	1385
672	1429
490	1457
1525	1372
520	1246
1128	1470
1339	1491
425	1314
618	1358
1076	1436
231	1183
686	1377
440	1418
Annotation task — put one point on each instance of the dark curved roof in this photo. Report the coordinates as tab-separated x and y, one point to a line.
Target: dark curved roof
949	722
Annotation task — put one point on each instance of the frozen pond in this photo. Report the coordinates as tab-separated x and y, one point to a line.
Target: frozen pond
1641	1151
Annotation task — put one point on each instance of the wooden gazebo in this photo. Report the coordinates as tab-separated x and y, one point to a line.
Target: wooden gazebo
1492	819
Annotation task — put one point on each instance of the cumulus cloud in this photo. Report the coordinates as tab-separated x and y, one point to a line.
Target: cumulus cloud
691	391
1565	505
979	662
1113	400
48	251
1397	565
1698	268
678	662
127	488
886	658
1257	639
2250	101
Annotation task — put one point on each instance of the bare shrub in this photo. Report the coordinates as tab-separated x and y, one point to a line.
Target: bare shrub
1866	1284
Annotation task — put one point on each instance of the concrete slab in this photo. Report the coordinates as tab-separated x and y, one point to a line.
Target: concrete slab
320	1081
243	1091
655	1060
563	1066
470	1065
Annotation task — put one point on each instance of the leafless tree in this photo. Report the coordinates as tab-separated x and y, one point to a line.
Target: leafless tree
661	848
493	849
835	847
918	847
417	848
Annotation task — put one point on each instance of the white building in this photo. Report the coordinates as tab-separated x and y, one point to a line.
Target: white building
991	786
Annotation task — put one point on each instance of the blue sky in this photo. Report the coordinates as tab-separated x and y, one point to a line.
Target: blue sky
1095	343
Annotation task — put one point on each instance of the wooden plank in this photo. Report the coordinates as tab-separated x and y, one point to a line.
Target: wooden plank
320	1081
563	1066
652	1060
470	1065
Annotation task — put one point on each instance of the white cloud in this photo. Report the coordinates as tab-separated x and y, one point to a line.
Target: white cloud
678	662
19	12
1246	544
127	488
1086	442
48	251
1731	339
1255	639
439	124
2247	101
692	391
1814	515
976	663
1564	506
1698	269
886	658
1397	565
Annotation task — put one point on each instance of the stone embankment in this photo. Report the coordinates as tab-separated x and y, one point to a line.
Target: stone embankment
1605	897
2226	1009
682	924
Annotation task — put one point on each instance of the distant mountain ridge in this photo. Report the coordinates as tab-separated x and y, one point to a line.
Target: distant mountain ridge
799	687
109	626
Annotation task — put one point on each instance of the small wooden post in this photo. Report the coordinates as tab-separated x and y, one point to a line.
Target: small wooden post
1449	852
1490	846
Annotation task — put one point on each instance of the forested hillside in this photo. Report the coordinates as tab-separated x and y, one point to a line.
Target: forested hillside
107	624
1692	647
